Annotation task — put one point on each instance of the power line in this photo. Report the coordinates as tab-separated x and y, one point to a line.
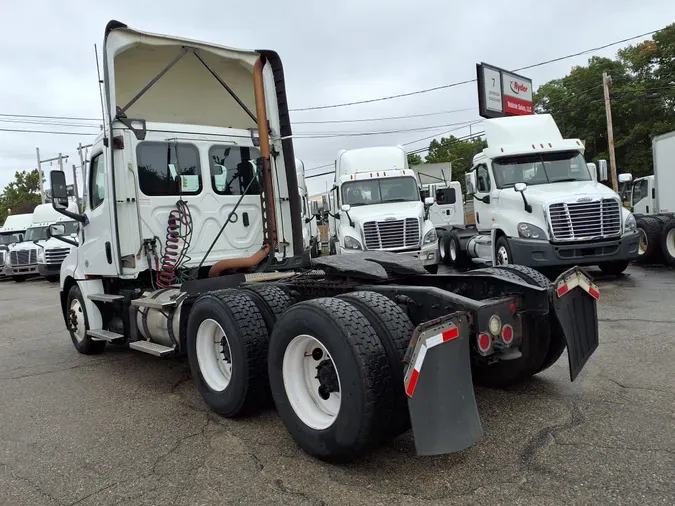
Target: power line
44	132
385	118
325	135
49	117
459	83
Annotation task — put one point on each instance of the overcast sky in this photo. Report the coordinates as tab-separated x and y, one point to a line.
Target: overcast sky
332	52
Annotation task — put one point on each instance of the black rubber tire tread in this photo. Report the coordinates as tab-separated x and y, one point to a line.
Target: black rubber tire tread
87	346
529	274
614	268
271	300
243	323
463	260
366	386
431	269
444	243
395	330
667	227
19	279
652	228
663	218
502	273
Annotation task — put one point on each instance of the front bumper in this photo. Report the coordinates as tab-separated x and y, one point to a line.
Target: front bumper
49	269
21	270
428	255
543	253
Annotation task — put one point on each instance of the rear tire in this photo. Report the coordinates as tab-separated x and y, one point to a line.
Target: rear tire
271	301
668	242
348	411
444	248
615	268
458	257
649	249
78	324
395	331
227	348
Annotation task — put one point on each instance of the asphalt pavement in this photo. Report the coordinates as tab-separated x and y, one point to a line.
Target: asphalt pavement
127	428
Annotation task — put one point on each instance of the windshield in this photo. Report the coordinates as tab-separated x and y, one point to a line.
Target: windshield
36	234
6	239
540	169
380	191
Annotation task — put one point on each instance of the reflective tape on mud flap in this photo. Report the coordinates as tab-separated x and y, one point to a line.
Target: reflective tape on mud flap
575	279
438	384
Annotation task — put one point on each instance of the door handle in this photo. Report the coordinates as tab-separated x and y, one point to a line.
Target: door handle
244	218
108	252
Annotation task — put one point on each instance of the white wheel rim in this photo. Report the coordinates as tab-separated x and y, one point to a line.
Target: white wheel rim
214	355
441	249
453	250
299	372
502	256
644	242
77	320
670	242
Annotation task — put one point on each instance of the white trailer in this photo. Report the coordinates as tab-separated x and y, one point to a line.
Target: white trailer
652	199
537	204
175	261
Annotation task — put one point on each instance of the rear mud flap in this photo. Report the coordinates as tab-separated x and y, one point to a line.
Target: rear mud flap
575	305
438	384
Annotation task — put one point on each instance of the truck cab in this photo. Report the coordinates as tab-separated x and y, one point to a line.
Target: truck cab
309	213
12	233
377	205
537	204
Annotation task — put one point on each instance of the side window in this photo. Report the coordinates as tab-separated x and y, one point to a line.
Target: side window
168	168
641	190
96	181
445	196
233	168
482	179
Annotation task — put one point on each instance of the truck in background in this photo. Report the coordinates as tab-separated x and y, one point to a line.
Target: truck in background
652	200
38	254
537	204
11	234
309	213
376	205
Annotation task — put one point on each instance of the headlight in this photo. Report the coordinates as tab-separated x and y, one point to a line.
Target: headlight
630	223
41	255
351	243
529	231
430	236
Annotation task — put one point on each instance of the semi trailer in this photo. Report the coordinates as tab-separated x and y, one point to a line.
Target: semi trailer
536	203
652	200
352	349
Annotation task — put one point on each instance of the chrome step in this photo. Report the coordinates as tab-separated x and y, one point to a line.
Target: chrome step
153	303
151	348
105	335
105	297
268	276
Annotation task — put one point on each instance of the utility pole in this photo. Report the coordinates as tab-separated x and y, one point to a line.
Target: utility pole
77	198
606	81
39	167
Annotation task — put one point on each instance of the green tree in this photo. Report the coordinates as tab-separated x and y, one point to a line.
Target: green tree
642	100
414	159
21	195
459	152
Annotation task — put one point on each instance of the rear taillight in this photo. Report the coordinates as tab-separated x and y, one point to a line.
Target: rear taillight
507	335
484	343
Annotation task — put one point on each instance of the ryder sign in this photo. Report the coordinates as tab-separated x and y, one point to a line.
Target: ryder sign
502	93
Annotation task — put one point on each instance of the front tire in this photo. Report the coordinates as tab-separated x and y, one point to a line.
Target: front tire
227	346
649	249
668	241
432	269
19	279
330	379
78	324
614	268
503	254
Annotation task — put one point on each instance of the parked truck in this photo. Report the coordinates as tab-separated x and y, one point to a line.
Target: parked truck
38	254
309	214
167	264
652	200
11	234
537	204
377	206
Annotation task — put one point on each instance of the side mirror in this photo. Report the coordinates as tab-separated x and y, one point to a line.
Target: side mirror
602	170
470	183
593	169
56	230
314	208
429	201
626	177
345	208
57	179
520	187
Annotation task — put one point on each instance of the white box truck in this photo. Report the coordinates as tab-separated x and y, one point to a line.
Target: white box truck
377	205
11	234
652	200
537	204
38	254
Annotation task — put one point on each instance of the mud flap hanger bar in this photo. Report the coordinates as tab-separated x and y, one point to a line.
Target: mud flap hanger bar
121	111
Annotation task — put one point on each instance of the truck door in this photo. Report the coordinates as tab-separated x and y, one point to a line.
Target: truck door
97	251
641	197
484	202
448	209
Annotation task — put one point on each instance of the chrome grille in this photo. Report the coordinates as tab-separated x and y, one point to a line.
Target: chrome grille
392	234
584	220
23	257
56	255
2	259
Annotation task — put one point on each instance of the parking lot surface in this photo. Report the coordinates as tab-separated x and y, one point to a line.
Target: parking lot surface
127	428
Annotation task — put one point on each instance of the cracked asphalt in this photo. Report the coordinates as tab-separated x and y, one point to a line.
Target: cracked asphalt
127	428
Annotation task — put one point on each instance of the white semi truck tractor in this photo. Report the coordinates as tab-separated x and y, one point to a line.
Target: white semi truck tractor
378	206
309	213
537	204
353	349
12	233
